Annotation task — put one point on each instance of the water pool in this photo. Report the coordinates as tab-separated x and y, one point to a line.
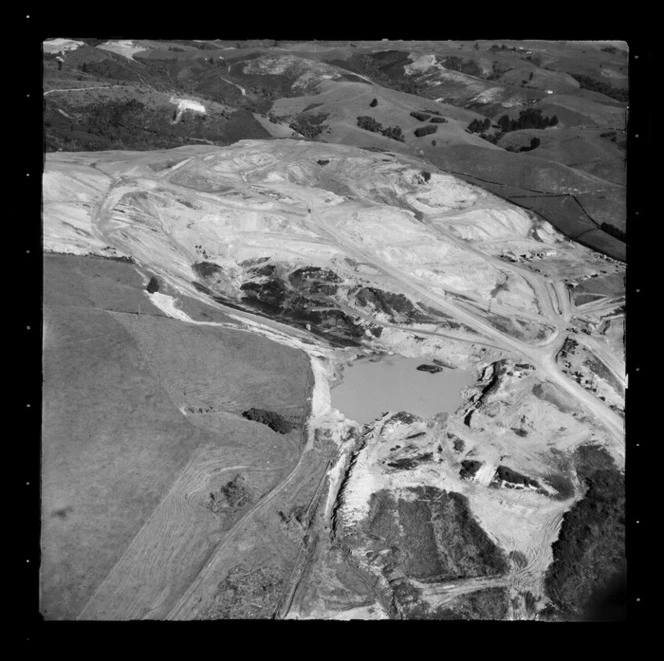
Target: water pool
393	383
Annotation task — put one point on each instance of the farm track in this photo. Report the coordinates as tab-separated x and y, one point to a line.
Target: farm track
205	581
82	89
307	549
171	546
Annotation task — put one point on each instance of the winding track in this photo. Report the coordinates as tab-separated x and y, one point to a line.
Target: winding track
204	582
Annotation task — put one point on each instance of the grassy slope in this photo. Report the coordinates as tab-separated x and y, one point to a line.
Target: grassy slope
589	111
541	186
114	441
582	149
94	282
346	101
101	477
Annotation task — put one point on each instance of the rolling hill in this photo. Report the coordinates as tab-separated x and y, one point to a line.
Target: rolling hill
230	228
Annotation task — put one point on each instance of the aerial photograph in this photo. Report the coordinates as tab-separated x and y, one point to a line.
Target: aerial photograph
333	330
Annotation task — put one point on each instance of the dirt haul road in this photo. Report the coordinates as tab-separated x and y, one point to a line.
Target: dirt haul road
542	357
555	309
554	304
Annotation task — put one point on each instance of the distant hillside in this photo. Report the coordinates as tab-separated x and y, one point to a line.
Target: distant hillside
459	105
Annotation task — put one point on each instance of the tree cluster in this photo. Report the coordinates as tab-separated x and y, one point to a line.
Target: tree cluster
496	71
469	67
310	126
593	85
614	231
425	130
512	477
153	285
534	144
206	269
494	48
530	118
233	495
273	420
479	125
370	124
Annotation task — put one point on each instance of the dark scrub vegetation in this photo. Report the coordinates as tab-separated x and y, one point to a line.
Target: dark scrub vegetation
479	126
132	124
425	130
247	593
589	555
614	231
206	269
153	285
370	124
310	126
293	300
594	85
231	496
390	303
468	468
273	420
407	463
469	67
433	537
534	144
511	477
487	604
530	118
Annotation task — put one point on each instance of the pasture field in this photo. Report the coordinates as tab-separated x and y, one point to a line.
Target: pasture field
121	461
